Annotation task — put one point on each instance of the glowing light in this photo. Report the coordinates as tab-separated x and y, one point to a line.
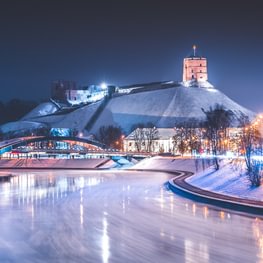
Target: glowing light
104	85
194	209
194	48
105	242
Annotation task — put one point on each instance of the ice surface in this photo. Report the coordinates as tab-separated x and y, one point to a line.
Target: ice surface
77	216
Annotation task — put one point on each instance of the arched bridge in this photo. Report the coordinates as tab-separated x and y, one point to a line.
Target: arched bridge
9	145
52	145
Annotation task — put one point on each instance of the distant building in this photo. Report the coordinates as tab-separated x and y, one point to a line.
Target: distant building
195	67
67	92
149	140
86	94
59	88
165	140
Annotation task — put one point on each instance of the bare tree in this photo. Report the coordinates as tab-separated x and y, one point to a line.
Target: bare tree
180	140
193	136
138	136
251	141
151	134
110	135
218	119
187	138
144	136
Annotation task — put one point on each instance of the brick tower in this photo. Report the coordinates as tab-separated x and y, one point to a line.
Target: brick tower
195	67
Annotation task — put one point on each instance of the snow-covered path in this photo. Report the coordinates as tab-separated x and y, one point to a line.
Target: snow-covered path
116	216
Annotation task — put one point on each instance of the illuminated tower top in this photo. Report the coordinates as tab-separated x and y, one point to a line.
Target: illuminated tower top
195	67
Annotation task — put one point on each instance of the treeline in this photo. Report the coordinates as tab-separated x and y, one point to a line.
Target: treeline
15	109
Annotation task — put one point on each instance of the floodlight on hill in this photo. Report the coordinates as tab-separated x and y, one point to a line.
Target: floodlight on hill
104	85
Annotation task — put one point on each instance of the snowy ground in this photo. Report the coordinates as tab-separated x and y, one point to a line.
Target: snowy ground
230	179
172	163
53	163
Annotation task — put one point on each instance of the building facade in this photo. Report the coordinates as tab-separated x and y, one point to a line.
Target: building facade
59	88
88	94
149	140
195	68
179	140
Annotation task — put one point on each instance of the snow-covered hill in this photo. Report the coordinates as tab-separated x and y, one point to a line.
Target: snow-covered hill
42	117
20	126
42	109
164	107
76	119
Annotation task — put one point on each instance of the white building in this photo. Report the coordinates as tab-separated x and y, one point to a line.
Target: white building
88	94
149	140
172	140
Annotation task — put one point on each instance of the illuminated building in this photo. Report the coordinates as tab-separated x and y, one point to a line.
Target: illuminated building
195	67
59	88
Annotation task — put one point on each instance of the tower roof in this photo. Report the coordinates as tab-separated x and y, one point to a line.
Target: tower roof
194	53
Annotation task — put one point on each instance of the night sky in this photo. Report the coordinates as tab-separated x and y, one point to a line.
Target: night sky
127	42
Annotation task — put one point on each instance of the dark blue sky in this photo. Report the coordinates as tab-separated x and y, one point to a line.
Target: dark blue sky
127	42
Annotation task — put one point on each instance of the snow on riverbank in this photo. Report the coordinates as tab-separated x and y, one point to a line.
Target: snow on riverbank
229	180
54	163
172	163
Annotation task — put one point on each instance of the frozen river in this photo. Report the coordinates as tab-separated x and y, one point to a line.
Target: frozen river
117	216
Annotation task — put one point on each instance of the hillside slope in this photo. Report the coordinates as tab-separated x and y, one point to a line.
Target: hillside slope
164	108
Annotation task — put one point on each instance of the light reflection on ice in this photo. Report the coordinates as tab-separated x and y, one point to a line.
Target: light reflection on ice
81	207
195	251
258	234
105	244
117	217
28	187
206	212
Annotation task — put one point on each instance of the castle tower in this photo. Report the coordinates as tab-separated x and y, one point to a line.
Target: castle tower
195	67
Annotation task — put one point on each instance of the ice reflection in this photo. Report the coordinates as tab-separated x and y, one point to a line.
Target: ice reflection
257	228
106	218
105	244
81	207
195	251
206	212
222	215
27	188
172	204
194	209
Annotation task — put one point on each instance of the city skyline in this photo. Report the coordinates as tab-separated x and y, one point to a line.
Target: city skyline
128	43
